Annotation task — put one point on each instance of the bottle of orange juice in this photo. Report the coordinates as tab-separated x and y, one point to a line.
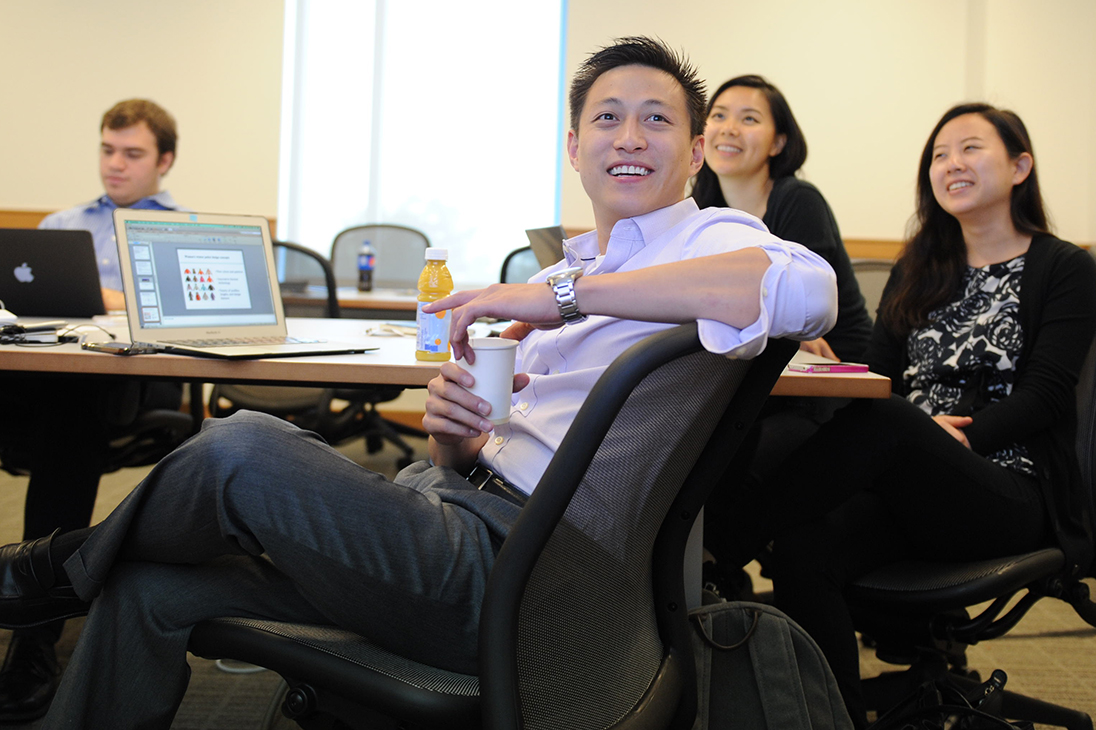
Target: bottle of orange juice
435	283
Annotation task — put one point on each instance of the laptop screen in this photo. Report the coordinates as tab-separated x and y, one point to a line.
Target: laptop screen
199	274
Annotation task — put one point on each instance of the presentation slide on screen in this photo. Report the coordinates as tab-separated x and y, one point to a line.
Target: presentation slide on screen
213	279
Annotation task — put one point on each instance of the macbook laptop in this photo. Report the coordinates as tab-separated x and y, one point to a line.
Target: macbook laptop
205	284
48	273
547	244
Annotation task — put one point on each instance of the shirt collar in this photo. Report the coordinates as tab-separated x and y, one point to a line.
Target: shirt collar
161	199
629	234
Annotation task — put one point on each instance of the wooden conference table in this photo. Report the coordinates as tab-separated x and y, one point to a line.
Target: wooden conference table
393	363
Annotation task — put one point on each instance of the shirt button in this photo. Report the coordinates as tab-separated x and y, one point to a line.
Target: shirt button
764	291
498	440
523	406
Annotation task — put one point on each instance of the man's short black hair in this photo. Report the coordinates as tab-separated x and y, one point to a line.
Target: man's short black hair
641	51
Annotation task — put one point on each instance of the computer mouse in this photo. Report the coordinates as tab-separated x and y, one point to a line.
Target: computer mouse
6	317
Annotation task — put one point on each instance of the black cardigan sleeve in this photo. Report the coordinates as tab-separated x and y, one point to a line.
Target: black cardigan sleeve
1058	313
886	354
797	212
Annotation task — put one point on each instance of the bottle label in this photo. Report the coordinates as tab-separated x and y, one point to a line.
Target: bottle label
366	261
433	333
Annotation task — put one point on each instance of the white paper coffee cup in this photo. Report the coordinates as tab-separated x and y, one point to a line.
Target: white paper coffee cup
494	374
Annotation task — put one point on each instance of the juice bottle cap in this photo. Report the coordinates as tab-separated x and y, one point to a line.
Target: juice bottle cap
437	254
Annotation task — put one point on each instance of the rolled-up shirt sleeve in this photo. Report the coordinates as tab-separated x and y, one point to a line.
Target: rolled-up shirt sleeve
798	301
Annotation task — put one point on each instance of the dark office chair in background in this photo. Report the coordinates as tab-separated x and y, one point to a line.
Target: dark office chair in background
336	414
584	622
400	255
519	265
154	433
871	276
916	612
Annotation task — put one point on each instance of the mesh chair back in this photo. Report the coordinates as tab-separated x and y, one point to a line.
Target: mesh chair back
589	644
306	272
519	265
400	255
871	276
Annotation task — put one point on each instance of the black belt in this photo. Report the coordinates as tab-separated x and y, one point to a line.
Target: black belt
493	483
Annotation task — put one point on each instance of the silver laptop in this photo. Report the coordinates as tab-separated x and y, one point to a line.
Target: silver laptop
547	244
205	284
49	273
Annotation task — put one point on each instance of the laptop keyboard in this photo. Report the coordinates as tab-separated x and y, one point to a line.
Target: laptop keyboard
244	341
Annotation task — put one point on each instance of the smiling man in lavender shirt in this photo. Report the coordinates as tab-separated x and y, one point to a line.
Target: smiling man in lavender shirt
237	522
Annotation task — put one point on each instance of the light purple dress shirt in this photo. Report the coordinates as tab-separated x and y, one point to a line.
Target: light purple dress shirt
98	217
798	300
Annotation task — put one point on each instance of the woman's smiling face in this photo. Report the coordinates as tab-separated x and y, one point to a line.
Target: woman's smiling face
740	136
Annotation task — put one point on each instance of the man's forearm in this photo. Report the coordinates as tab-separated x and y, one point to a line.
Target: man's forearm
724	287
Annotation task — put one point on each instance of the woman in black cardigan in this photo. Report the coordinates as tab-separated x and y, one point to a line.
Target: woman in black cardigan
753	148
983	329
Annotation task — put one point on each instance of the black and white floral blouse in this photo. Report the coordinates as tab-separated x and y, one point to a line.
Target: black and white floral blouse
965	358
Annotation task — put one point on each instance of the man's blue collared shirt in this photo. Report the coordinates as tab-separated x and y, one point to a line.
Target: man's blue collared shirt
98	217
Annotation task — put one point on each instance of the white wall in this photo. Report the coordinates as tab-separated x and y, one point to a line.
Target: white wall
214	64
866	79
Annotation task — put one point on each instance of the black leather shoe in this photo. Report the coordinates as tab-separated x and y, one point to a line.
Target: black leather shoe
29	594
28	679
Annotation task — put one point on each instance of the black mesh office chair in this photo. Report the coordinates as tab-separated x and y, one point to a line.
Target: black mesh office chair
400	255
519	265
584	622
916	612
336	414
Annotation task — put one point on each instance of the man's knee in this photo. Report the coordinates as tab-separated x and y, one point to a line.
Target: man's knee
248	431
244	440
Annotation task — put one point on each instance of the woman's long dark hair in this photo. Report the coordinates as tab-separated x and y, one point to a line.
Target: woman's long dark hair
706	190
932	262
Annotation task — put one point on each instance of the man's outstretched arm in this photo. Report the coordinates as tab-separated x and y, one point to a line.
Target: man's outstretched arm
792	290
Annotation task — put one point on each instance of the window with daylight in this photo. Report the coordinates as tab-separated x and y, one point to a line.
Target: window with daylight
447	117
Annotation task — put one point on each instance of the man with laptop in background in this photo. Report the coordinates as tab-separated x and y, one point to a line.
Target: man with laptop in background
59	429
137	150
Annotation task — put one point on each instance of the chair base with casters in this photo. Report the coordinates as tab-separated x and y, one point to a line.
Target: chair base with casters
916	613
577	630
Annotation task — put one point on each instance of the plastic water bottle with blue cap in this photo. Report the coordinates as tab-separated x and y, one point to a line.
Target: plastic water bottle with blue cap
366	262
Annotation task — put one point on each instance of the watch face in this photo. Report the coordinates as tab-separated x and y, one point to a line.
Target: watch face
571	273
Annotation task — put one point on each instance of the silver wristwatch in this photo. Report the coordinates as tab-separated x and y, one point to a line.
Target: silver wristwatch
563	285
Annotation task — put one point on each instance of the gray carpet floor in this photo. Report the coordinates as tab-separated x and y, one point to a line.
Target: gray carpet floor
1051	654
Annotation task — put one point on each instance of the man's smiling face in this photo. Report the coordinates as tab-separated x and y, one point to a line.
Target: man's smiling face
633	149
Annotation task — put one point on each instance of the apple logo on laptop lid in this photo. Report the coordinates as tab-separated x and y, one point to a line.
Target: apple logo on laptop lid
23	273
